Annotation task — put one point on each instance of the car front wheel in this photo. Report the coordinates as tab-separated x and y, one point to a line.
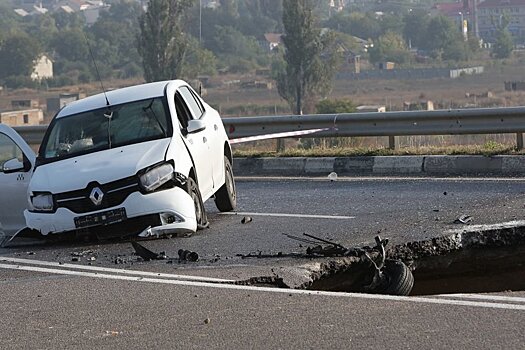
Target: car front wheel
226	196
200	212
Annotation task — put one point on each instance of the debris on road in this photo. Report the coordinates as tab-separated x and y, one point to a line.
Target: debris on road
332	176
188	255
147	254
246	220
463	219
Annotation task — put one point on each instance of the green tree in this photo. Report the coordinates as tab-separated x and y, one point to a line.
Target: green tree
199	61
161	42
71	45
119	28
18	52
503	45
42	28
335	106
444	40
309	56
415	28
9	20
389	47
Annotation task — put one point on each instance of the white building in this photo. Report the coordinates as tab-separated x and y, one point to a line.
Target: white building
42	69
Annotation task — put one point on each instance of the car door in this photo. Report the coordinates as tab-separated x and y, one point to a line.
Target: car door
16	163
196	134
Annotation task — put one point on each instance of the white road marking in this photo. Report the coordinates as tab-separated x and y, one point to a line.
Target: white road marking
267	289
304	216
483	297
106	269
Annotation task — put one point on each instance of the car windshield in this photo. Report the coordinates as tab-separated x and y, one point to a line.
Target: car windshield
105	128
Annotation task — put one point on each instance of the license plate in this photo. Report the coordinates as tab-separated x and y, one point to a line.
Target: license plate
104	218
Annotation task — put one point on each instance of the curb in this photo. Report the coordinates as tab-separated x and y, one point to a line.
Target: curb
462	165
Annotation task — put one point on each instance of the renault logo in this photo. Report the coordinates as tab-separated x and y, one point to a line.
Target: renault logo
96	196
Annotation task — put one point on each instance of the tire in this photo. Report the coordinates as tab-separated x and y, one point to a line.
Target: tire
200	212
398	279
226	196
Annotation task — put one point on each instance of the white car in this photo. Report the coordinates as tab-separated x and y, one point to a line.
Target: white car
16	163
138	160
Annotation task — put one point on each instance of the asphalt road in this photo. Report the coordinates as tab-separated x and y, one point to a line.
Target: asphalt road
49	305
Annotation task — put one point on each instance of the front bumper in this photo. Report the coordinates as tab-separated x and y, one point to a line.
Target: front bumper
156	207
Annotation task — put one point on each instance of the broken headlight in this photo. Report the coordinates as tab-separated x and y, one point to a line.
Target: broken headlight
42	201
155	177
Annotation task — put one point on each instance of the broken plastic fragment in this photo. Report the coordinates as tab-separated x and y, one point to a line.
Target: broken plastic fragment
145	253
332	176
463	219
246	220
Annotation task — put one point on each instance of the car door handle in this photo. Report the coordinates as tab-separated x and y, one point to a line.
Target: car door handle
215	127
204	139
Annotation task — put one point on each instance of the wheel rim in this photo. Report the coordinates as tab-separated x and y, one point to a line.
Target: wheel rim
230	184
197	205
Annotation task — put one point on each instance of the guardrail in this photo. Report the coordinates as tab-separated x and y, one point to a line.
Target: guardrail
391	124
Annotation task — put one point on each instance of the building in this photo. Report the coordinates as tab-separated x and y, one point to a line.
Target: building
25	104
273	40
42	69
461	13
22	117
54	104
491	14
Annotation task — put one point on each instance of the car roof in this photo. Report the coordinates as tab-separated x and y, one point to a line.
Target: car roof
119	96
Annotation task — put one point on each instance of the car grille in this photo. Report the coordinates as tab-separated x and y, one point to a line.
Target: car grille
114	194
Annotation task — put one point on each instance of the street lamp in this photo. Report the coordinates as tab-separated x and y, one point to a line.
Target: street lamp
200	21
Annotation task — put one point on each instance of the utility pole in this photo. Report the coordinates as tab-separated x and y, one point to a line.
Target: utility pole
200	21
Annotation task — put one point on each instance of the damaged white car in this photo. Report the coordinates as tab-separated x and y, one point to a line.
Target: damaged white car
138	160
16	163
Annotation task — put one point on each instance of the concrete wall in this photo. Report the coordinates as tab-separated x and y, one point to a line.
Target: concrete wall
423	73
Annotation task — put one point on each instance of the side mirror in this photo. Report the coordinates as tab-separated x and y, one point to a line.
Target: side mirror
195	125
13	166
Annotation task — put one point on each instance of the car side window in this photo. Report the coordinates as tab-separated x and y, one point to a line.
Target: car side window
9	150
193	103
183	113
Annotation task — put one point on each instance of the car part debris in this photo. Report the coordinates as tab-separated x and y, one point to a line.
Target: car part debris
188	255
246	220
334	249
390	276
147	254
463	219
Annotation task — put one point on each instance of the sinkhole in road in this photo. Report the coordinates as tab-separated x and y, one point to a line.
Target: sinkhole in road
477	259
475	270
471	271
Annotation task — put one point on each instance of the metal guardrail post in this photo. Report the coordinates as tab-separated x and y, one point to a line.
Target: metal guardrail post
393	142
519	141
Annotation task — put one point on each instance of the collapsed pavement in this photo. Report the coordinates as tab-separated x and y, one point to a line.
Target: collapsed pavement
477	258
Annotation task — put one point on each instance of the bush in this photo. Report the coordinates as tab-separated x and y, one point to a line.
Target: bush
20	81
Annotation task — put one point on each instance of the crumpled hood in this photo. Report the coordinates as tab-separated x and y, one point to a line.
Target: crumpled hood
103	167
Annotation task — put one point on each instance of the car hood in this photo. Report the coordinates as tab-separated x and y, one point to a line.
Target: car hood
102	167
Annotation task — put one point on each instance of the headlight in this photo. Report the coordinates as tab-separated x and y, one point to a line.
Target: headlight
156	177
42	202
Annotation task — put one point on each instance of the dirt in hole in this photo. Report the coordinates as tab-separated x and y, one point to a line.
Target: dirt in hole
471	271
